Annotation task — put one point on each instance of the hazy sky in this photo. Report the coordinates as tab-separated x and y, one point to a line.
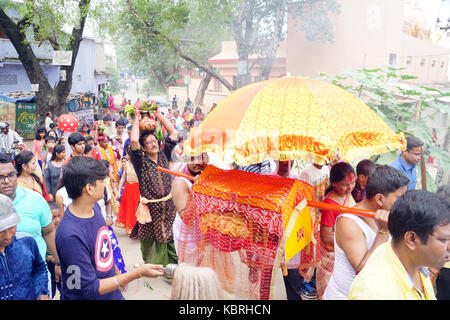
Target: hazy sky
434	9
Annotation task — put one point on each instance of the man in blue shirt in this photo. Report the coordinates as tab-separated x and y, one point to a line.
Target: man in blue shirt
127	142
32	208
23	272
408	160
83	242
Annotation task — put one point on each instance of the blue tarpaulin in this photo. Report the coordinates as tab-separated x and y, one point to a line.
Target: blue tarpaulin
21	99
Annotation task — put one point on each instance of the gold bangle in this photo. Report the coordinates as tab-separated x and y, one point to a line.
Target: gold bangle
382	231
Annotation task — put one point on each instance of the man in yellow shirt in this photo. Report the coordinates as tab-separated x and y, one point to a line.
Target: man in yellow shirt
443	278
419	223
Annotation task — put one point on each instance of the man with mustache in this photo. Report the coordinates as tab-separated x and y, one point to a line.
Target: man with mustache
33	210
407	161
181	188
156	211
419	223
23	272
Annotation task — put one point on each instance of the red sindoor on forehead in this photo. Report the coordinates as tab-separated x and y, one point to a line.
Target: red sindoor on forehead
350	177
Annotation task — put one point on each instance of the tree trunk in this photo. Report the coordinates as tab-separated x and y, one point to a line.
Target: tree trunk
242	36
160	80
206	69
274	43
177	50
202	90
47	98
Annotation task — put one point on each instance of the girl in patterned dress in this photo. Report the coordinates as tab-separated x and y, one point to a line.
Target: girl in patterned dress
126	217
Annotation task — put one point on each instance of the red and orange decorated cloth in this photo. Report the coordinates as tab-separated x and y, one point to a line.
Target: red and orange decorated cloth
264	218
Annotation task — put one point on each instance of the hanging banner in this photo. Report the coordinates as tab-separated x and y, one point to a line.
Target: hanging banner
7	112
85	116
82	107
26	119
62	58
300	235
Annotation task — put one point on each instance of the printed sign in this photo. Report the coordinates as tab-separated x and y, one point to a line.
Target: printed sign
300	235
5	112
26	119
62	58
85	116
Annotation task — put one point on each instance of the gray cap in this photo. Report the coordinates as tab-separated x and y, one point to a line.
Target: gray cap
8	215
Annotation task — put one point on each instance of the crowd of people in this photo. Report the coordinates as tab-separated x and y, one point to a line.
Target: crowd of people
59	208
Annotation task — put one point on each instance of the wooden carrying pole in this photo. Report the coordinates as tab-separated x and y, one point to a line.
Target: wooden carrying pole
315	204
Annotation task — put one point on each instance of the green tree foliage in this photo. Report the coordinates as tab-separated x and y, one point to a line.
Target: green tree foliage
404	106
115	77
193	30
164	37
259	26
59	23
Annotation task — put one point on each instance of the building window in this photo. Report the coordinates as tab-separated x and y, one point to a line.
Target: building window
408	60
422	62
433	63
442	64
8	79
392	59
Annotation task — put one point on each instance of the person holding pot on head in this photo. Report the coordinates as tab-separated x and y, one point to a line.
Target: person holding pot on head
156	211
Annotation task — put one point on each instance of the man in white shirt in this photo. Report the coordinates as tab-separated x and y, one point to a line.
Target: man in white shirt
7	137
179	121
48	121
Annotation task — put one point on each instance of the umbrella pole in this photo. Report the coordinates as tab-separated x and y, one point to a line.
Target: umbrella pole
315	204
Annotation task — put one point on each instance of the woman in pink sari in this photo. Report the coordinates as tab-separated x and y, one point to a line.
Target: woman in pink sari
342	180
112	106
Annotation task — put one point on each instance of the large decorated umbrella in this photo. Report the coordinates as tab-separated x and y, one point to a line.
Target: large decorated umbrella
292	118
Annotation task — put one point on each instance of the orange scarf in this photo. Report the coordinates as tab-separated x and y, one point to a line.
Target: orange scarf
110	156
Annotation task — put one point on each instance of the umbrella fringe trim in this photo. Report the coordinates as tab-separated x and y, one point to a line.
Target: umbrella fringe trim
348	156
282	156
351	153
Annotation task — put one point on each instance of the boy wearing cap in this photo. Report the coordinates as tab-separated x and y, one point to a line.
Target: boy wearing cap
23	272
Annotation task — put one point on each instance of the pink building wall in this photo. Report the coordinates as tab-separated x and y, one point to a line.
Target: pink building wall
367	34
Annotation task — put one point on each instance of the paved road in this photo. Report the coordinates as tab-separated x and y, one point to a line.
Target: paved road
136	290
161	287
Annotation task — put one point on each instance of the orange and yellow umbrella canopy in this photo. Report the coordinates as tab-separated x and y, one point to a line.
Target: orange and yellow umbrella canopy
292	118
